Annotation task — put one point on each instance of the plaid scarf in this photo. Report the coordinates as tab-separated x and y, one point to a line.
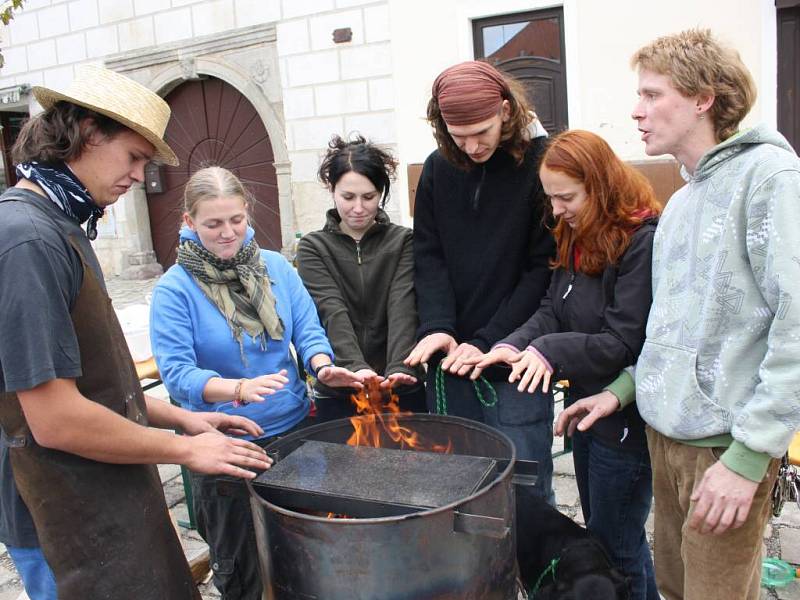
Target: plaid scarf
239	287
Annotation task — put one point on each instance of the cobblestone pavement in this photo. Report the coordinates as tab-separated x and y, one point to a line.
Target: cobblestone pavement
782	538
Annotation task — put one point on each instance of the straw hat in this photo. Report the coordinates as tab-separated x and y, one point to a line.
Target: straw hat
120	98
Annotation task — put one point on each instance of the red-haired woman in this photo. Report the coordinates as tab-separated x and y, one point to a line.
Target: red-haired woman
591	326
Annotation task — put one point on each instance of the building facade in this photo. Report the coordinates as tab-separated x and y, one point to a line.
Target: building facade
259	86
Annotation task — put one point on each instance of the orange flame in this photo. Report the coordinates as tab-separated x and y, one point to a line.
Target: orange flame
375	416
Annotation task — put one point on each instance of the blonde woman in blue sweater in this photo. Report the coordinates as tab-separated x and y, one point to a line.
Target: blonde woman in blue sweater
222	322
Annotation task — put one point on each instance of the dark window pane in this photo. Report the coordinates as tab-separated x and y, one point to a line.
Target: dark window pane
539	38
496	36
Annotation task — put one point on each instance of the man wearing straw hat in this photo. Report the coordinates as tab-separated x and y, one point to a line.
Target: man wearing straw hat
71	408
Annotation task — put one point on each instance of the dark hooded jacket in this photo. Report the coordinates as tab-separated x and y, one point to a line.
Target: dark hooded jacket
481	246
589	328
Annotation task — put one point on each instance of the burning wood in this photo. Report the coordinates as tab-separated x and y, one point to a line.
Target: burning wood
376	415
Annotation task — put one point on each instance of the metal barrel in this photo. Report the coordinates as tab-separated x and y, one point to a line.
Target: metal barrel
463	550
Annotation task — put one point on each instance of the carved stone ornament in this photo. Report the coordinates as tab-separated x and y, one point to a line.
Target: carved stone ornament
188	68
259	71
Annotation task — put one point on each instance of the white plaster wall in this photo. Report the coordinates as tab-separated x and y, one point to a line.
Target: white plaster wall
600	37
333	88
607	84
379	83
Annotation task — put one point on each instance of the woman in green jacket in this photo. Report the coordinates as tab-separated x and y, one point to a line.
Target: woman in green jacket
359	271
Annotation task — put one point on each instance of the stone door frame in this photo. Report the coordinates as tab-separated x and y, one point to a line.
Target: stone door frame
245	58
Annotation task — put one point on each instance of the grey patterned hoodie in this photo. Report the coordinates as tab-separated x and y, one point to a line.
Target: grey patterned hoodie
722	354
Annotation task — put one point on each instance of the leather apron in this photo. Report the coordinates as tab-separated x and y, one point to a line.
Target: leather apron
104	528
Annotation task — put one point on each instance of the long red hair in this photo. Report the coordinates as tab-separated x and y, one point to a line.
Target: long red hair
618	200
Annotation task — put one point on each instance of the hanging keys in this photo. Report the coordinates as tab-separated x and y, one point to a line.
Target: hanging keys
786	487
793	495
780	491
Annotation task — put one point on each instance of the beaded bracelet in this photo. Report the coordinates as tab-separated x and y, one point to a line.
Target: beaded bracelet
238	400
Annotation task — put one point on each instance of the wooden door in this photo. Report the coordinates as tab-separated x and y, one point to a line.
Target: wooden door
530	47
10	125
213	124
789	70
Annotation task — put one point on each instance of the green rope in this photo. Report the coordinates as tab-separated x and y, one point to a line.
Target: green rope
551	568
441	394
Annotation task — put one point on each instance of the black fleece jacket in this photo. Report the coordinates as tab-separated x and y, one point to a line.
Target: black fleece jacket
364	293
591	328
480	246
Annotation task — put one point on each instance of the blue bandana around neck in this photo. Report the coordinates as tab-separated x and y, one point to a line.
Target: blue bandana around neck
62	187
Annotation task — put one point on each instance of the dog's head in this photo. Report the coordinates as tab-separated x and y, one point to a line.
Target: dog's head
584	572
595	586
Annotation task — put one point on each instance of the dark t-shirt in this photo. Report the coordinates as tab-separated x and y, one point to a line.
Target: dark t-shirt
40	276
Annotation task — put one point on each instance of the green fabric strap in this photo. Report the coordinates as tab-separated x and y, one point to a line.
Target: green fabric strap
441	393
551	568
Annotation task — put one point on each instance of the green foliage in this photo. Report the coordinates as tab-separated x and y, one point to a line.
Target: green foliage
5	16
8	13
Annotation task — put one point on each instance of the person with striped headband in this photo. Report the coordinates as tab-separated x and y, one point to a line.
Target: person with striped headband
481	251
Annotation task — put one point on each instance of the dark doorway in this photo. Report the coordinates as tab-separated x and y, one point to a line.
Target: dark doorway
530	46
789	69
11	123
213	124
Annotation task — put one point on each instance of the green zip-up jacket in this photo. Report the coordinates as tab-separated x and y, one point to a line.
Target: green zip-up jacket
722	355
364	292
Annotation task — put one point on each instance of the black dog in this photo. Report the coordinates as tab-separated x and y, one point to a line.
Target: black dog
558	559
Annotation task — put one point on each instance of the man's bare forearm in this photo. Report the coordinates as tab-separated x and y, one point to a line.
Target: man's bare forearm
61	418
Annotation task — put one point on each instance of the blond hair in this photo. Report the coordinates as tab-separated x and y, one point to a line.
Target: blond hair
698	64
211	183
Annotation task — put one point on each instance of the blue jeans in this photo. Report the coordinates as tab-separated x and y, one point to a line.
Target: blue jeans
35	573
616	491
525	418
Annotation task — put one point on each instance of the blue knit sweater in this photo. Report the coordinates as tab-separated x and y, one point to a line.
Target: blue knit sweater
192	343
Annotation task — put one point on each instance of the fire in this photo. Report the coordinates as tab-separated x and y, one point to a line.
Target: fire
375	416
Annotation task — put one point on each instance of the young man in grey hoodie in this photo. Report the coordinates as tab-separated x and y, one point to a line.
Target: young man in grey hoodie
717	381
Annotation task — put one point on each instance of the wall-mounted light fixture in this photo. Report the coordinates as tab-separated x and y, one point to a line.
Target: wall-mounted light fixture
153	180
340	36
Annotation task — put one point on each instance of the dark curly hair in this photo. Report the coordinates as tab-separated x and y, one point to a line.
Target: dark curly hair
514	135
362	157
55	134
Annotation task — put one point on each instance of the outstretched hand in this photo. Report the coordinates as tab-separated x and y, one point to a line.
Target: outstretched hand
396	379
215	454
457	361
585	412
334	376
530	369
428	346
196	423
500	354
254	390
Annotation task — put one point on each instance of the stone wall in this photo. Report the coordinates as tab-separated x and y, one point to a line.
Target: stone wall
333	88
306	88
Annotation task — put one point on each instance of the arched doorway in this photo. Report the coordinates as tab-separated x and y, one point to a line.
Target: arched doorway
214	124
